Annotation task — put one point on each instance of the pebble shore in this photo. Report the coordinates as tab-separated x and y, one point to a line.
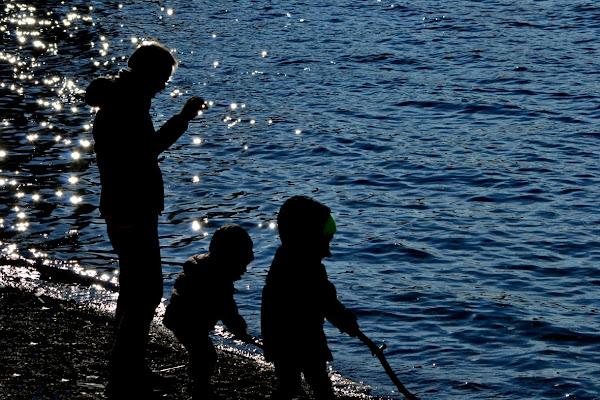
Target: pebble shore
57	349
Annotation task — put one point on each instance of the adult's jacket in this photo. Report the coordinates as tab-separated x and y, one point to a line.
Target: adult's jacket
297	298
127	146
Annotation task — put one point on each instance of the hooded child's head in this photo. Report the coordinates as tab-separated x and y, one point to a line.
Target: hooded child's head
307	225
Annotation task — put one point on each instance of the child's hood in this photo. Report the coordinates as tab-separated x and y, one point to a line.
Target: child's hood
204	274
201	267
192	264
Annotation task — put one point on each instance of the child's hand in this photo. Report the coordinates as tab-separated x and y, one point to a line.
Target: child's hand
193	107
249	339
258	342
348	324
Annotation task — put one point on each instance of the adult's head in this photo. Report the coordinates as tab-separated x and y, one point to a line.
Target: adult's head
153	64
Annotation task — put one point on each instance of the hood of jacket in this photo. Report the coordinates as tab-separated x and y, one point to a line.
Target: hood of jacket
198	264
110	90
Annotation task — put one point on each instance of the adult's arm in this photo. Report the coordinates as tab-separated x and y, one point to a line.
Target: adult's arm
178	124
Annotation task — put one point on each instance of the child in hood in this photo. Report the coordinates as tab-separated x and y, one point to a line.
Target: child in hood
203	295
298	297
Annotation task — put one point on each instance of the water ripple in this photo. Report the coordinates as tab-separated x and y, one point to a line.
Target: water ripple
456	146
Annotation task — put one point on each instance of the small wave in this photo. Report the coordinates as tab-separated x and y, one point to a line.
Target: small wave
396	248
546	332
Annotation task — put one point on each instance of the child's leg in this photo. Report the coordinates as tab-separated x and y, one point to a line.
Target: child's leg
290	380
203	360
315	373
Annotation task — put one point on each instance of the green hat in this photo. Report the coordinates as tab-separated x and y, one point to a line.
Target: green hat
330	227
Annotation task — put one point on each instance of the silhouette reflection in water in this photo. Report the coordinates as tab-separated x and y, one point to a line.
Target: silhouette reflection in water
203	295
132	197
298	297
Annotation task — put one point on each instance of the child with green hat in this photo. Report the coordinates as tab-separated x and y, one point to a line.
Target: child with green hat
298	297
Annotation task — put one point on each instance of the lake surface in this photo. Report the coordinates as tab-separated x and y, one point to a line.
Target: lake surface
457	144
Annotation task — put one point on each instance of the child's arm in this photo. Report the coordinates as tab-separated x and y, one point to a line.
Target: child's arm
237	325
338	314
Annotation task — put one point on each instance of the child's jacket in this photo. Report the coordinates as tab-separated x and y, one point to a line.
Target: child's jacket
297	298
201	297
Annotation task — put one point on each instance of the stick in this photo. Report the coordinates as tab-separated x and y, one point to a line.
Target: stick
379	353
172	368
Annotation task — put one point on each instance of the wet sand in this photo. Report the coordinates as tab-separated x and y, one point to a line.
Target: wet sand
56	349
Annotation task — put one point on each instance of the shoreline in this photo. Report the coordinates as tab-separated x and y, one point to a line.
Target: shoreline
58	349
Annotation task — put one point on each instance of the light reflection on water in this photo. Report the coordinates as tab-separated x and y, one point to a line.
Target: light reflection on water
459	156
65	280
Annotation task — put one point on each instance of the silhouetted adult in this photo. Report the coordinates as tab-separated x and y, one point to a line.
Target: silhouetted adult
127	149
298	297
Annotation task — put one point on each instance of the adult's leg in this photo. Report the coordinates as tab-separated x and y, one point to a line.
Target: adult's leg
140	292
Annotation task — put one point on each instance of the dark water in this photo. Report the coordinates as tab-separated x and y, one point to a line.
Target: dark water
457	144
